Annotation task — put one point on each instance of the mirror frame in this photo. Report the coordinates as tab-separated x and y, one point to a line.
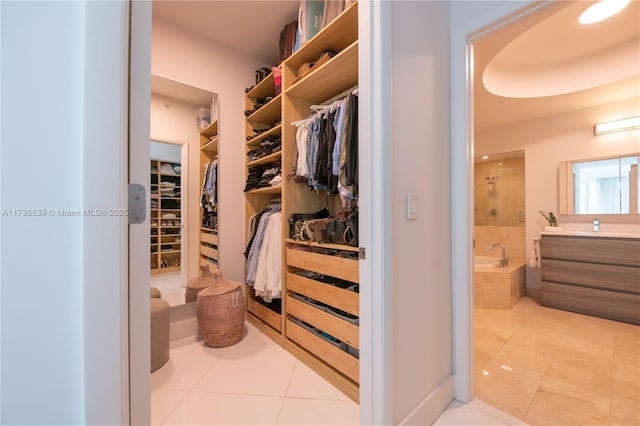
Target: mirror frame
566	197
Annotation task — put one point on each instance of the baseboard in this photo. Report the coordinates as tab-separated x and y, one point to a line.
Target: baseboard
532	292
432	406
182	321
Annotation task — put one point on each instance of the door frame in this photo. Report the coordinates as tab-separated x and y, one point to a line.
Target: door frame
139	343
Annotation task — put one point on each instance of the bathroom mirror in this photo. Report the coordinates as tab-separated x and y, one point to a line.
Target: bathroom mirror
605	185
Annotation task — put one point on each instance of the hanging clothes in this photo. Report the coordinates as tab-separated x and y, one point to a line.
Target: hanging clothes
327	148
269	280
209	195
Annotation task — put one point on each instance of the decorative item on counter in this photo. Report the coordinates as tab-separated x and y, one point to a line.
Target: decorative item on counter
551	220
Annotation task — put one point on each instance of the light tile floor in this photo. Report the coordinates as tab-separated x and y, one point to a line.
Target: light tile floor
170	286
554	367
257	382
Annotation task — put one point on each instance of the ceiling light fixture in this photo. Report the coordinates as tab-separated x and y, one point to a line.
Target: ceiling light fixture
602	10
617	125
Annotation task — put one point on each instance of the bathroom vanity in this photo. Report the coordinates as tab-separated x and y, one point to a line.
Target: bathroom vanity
592	273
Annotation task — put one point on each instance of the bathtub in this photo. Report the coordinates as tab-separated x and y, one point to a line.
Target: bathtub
495	287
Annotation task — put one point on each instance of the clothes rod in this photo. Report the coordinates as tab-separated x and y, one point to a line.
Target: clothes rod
340	96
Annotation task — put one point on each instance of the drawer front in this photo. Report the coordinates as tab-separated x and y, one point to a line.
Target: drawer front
331	324
615	251
209	252
335	357
272	318
607	304
345	300
209	238
608	277
209	263
339	267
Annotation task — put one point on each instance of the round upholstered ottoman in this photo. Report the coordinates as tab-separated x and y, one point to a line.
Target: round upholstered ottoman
220	310
155	293
199	283
159	333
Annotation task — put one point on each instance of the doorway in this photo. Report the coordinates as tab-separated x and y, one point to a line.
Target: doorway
169	217
541	363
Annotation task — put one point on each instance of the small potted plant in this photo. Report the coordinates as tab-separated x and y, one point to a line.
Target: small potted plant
551	220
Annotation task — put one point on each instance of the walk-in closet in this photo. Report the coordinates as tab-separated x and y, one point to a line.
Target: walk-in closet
283	146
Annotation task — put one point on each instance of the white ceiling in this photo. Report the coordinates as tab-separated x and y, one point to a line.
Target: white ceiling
251	27
553	37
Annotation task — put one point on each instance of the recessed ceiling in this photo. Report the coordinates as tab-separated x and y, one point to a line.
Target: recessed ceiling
249	27
559	55
548	63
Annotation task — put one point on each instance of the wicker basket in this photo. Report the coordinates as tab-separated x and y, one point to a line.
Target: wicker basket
199	283
220	310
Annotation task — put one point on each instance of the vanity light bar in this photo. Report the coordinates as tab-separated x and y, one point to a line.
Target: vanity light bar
617	125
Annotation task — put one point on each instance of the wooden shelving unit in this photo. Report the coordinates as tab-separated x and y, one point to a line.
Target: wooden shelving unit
208	236
324	335
165	218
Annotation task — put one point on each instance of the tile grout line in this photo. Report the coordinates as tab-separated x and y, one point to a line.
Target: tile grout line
284	397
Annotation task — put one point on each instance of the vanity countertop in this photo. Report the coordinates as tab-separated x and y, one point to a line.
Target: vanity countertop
592	234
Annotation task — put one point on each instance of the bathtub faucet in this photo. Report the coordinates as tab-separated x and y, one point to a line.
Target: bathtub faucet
503	261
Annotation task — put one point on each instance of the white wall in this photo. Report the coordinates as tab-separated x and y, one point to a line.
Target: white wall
175	120
422	316
165	151
563	137
187	58
44	287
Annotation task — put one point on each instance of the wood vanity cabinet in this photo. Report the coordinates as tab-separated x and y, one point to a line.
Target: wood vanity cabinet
592	275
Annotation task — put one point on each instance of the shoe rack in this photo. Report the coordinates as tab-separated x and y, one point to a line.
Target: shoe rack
165	217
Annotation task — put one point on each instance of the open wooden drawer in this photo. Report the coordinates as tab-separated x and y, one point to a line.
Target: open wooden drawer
339	267
267	315
345	300
342	329
328	351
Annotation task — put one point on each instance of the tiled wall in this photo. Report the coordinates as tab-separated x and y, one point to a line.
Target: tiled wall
502	202
512	237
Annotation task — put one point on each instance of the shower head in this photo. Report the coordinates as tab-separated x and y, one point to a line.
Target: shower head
491	180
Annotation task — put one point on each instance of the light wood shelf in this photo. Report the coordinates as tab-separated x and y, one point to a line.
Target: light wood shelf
267	190
210	130
268	113
275	131
323	245
267	87
156	215
265	160
211	146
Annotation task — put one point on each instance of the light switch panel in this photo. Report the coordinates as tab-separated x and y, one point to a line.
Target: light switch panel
412	206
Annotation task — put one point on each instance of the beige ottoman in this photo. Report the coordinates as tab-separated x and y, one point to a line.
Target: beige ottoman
159	333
